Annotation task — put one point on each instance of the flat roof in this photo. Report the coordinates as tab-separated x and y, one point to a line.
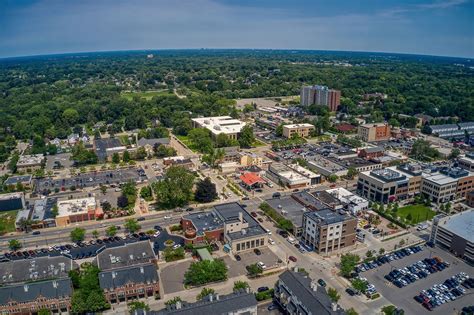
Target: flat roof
75	206
220	124
292	126
230	212
461	224
328	216
438	178
293	210
13	180
33	159
204	221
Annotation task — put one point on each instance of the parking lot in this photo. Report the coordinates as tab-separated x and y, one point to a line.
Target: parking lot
404	297
91	179
172	276
62	158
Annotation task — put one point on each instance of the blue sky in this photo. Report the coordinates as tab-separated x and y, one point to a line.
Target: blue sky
435	27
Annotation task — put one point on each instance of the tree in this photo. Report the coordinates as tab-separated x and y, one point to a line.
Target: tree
116	158
106	206
394	122
279	130
141	154
422	150
359	285
213	157
392	310
78	235
111	231
103	189
409	217
126	156
246	137
137	305
205	292
254	270
240	285
351	172
122	201
333	295
201	139
348	263
14	244
205	271
351	311
205	191
175	190
173	301
381	251
44	311
369	254
146	193
88	296
332	178
71	116
222	140
132	225
82	156
454	154
95	234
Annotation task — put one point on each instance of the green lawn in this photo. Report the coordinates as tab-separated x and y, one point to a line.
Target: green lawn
419	213
7	221
185	140
148	95
258	143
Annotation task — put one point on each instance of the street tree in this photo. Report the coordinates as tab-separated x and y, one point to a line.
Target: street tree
205	292
14	245
78	235
240	285
111	231
348	263
333	295
246	138
132	225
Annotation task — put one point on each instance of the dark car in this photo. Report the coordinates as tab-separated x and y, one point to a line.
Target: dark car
238	258
141	219
158	228
254	214
262	289
257	251
351	291
322	282
36	233
276	195
292	258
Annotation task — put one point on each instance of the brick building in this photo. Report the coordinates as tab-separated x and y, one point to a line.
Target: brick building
374	132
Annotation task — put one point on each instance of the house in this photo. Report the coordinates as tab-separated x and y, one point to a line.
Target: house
149	144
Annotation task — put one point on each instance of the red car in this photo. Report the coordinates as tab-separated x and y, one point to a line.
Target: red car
292	258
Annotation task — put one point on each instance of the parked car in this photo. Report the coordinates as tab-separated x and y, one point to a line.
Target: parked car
292	258
238	258
262	289
322	282
257	251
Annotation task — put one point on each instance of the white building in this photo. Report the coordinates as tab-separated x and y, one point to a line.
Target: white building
30	162
220	124
354	203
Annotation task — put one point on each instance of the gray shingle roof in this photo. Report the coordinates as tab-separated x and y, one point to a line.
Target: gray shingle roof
317	302
30	292
35	269
127	255
223	304
116	278
142	142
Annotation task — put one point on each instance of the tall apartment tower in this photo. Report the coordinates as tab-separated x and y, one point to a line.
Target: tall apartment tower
320	95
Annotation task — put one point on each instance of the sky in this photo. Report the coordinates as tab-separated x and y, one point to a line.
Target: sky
432	27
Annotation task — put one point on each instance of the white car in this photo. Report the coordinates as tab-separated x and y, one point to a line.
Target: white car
176	246
268	231
157	233
272	242
166	217
261	265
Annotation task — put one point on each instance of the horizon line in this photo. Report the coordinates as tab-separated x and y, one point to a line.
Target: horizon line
229	49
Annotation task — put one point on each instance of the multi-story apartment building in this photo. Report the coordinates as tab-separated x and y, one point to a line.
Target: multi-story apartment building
237	303
447	185
327	231
30	298
320	95
297	294
374	132
467	162
302	130
221	124
390	184
455	233
128	272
